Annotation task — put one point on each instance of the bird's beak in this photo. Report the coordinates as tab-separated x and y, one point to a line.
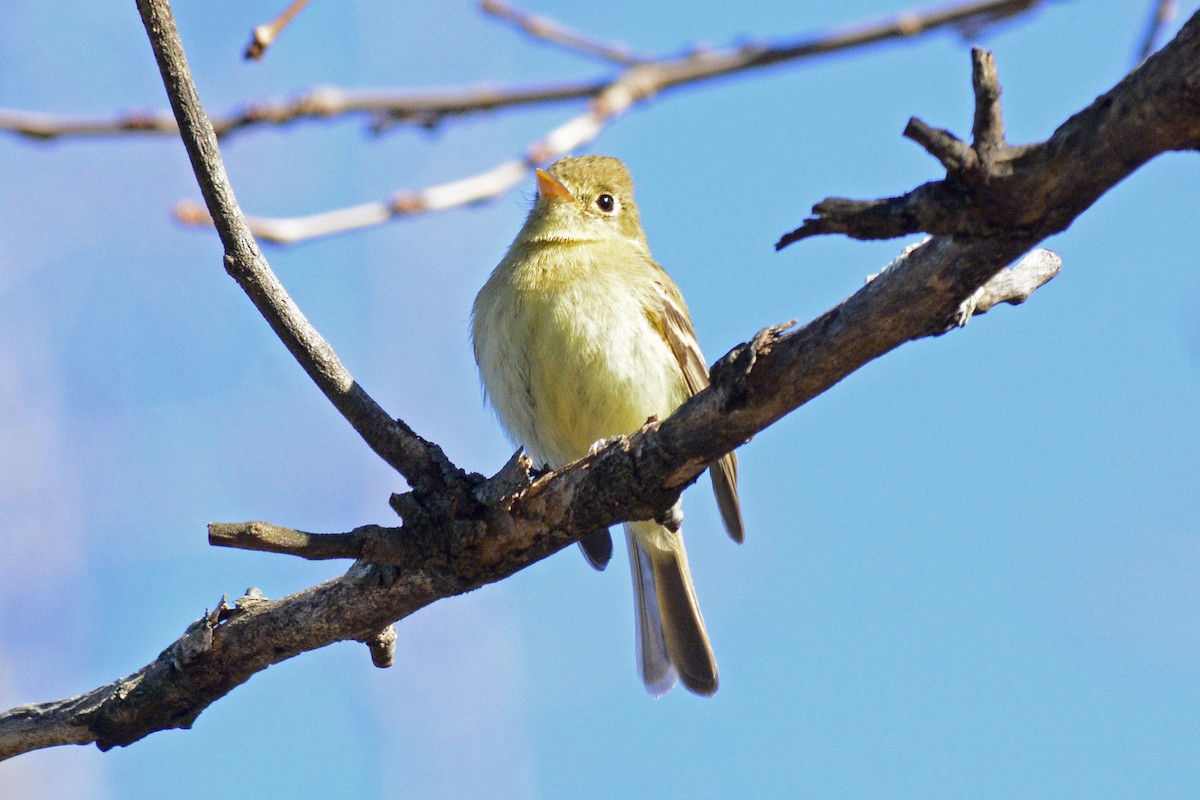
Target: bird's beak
551	188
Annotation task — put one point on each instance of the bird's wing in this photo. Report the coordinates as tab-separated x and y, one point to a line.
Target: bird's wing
676	328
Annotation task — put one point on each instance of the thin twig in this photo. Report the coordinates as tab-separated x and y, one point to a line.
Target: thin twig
264	35
615	100
633	86
384	109
428	109
1161	15
546	29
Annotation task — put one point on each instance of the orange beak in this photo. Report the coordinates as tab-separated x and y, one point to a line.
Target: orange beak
551	188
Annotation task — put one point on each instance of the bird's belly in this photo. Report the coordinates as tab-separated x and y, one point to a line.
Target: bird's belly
595	367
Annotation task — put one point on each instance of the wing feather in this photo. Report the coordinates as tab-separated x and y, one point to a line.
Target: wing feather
675	325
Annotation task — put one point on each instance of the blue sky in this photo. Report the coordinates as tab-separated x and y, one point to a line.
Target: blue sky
969	570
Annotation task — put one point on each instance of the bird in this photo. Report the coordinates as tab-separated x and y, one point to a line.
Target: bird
580	336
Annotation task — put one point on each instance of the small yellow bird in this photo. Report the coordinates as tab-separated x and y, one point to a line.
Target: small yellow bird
580	336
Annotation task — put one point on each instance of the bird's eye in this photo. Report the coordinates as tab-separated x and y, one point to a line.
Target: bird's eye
606	203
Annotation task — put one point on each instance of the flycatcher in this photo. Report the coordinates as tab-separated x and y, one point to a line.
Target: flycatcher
581	336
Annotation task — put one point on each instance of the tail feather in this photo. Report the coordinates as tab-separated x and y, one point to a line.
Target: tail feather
723	474
654	666
671	631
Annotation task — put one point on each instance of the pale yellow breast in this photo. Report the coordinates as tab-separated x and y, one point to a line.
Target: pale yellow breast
567	352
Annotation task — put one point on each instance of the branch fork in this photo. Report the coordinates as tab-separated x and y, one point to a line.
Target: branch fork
1022	194
971	201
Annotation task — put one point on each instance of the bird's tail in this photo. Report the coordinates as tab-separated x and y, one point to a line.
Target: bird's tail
671	638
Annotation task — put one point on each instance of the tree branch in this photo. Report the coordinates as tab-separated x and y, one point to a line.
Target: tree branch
1029	192
268	538
435	556
1013	285
546	29
429	109
446	547
1161	15
384	108
636	84
422	463
264	35
640	81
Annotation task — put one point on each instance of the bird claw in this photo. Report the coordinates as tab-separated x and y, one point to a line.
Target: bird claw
600	444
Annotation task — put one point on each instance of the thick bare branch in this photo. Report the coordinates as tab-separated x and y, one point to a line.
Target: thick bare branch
1029	192
438	555
441	552
105	715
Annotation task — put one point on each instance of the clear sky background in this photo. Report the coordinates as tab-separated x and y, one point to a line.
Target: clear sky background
971	570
